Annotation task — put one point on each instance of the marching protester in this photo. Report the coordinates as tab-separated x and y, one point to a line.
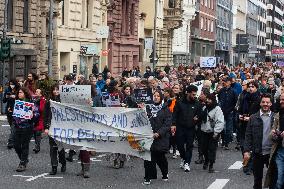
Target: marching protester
249	104
211	127
24	129
227	100
257	143
40	101
54	148
276	162
202	99
161	120
185	116
31	83
9	98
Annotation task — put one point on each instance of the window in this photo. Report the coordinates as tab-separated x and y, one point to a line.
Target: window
132	22
10	15
201	23
125	17
206	2
206	21
26	16
171	3
209	28
212	26
62	12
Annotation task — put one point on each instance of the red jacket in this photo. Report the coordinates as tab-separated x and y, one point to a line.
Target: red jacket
40	126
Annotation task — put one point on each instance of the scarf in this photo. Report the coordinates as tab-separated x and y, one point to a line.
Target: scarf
208	108
153	109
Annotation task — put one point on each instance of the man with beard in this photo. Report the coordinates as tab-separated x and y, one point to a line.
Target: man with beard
185	117
257	141
277	151
249	104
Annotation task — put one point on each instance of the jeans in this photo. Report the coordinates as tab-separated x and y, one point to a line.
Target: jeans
185	139
22	142
228	129
279	159
158	158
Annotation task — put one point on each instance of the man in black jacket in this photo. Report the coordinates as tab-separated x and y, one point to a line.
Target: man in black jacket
227	100
257	143
185	117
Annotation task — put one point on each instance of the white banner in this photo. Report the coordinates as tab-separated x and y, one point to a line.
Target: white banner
114	130
199	85
208	62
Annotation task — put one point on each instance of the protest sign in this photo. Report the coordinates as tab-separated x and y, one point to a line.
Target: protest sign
144	95
111	100
75	94
199	85
23	110
208	62
114	130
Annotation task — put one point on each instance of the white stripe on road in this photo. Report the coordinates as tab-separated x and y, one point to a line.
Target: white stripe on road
218	184
5	125
237	165
22	176
53	177
102	155
36	177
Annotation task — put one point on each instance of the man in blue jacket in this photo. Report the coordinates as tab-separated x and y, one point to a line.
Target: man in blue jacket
227	100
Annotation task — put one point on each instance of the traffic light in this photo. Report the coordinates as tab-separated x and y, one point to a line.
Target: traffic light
5	48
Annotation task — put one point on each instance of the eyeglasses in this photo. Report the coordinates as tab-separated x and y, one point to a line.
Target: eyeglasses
251	86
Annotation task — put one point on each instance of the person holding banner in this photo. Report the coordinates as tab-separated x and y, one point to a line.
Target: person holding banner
25	114
161	120
52	144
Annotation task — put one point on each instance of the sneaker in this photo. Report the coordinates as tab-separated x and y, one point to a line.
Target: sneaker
165	178
175	156
181	165
146	182
186	167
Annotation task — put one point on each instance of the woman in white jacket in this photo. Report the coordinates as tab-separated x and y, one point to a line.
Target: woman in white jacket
211	127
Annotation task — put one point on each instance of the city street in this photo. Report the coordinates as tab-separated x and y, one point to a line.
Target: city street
228	172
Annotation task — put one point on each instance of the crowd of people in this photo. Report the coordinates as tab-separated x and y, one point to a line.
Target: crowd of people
247	101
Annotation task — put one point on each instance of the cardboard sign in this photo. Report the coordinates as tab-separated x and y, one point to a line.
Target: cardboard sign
75	94
111	100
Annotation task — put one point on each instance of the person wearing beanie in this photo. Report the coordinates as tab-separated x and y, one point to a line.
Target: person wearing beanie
212	124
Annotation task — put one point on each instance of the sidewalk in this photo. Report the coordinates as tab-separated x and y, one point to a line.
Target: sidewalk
3	118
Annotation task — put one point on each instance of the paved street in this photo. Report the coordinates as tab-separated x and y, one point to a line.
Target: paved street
103	176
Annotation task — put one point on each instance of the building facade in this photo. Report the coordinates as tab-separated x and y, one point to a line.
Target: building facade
261	31
123	43
239	28
80	37
224	30
26	25
274	26
181	51
203	30
173	10
146	30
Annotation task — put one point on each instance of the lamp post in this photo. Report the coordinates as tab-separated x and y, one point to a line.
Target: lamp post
155	35
50	38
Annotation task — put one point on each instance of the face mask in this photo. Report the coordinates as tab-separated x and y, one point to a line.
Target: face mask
12	86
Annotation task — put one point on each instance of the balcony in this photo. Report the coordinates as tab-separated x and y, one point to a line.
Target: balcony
173	16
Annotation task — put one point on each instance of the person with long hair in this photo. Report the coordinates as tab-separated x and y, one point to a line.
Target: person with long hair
161	119
54	148
31	83
9	98
24	130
